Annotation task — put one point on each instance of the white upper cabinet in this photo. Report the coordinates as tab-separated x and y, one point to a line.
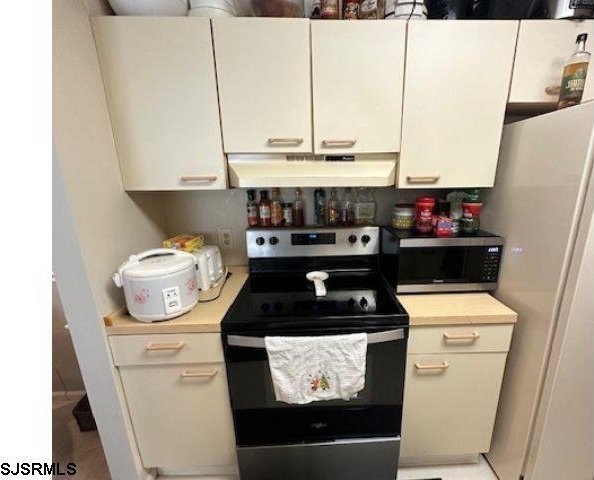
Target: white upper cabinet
456	87
543	48
161	90
263	72
358	75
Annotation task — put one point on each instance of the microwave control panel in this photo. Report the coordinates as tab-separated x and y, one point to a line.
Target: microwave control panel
492	258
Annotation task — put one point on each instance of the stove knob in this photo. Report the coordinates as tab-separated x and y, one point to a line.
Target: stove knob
363	302
365	239
352	238
260	241
273	240
351	303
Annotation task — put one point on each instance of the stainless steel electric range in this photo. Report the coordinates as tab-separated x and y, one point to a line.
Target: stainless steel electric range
336	439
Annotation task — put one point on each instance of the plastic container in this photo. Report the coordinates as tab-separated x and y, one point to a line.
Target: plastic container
471	210
424	215
403	216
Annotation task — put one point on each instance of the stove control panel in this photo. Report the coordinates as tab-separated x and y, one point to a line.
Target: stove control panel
312	241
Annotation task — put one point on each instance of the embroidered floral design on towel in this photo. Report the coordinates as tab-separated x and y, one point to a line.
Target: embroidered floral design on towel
319	381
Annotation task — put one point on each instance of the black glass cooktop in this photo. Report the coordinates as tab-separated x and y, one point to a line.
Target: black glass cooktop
287	301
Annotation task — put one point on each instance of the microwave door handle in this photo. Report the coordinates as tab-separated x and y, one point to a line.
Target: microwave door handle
258	342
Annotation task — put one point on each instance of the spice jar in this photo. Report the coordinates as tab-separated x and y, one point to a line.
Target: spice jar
403	216
424	216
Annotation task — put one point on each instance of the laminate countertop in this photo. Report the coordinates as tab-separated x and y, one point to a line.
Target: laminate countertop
456	309
203	318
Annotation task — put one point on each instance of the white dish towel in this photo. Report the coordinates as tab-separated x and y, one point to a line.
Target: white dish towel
309	369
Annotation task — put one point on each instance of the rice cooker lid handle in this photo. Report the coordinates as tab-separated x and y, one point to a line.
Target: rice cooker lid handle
135	260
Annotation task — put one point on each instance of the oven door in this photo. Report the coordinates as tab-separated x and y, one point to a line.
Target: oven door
261	420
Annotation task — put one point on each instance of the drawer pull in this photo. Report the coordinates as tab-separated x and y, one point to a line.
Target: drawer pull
553	90
191	374
463	336
437	366
422	179
338	143
285	141
164	346
198	179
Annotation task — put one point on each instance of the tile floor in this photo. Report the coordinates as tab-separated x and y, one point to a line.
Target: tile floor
84	449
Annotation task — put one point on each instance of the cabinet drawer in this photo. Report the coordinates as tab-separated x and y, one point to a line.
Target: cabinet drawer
181	416
445	413
166	349
460	338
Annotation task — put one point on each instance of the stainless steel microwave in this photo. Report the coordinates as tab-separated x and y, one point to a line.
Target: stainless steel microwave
417	263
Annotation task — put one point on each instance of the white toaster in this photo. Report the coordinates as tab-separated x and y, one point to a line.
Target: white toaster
209	266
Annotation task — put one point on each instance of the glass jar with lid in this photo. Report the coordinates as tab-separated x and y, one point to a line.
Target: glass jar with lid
403	216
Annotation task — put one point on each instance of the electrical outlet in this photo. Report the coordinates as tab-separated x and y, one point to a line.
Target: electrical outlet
225	238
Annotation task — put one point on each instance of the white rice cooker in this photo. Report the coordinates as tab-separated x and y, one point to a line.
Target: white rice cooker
159	284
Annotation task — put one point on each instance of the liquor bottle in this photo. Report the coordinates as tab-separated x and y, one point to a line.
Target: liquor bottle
276	208
347	216
264	209
350	9
298	209
320	206
333	209
365	207
252	209
574	74
329	9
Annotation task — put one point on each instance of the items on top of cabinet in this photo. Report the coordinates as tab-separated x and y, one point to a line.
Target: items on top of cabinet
279	8
406	10
329	9
350	9
574	74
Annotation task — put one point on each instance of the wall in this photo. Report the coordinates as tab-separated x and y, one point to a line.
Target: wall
206	211
111	223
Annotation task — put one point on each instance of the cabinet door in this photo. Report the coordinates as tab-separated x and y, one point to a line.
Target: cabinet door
456	88
161	90
357	75
450	409
543	48
181	416
263	72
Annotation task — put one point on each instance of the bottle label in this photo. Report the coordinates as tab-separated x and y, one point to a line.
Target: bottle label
252	215
276	213
351	10
574	80
264	212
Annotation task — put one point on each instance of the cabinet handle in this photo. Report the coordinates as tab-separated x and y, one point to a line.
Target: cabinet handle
553	90
165	346
463	336
285	141
438	366
191	374
422	179
198	178
338	143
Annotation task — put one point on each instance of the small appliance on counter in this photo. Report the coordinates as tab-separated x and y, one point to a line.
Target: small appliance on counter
159	284
422	263
573	9
211	272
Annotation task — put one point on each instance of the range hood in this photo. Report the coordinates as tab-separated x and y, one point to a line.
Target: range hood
367	170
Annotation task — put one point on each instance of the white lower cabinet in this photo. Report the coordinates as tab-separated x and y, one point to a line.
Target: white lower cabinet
180	412
451	393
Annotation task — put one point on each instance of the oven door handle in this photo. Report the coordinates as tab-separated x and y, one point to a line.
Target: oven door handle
258	342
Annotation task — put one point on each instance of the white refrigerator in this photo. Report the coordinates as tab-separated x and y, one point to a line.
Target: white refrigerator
542	203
